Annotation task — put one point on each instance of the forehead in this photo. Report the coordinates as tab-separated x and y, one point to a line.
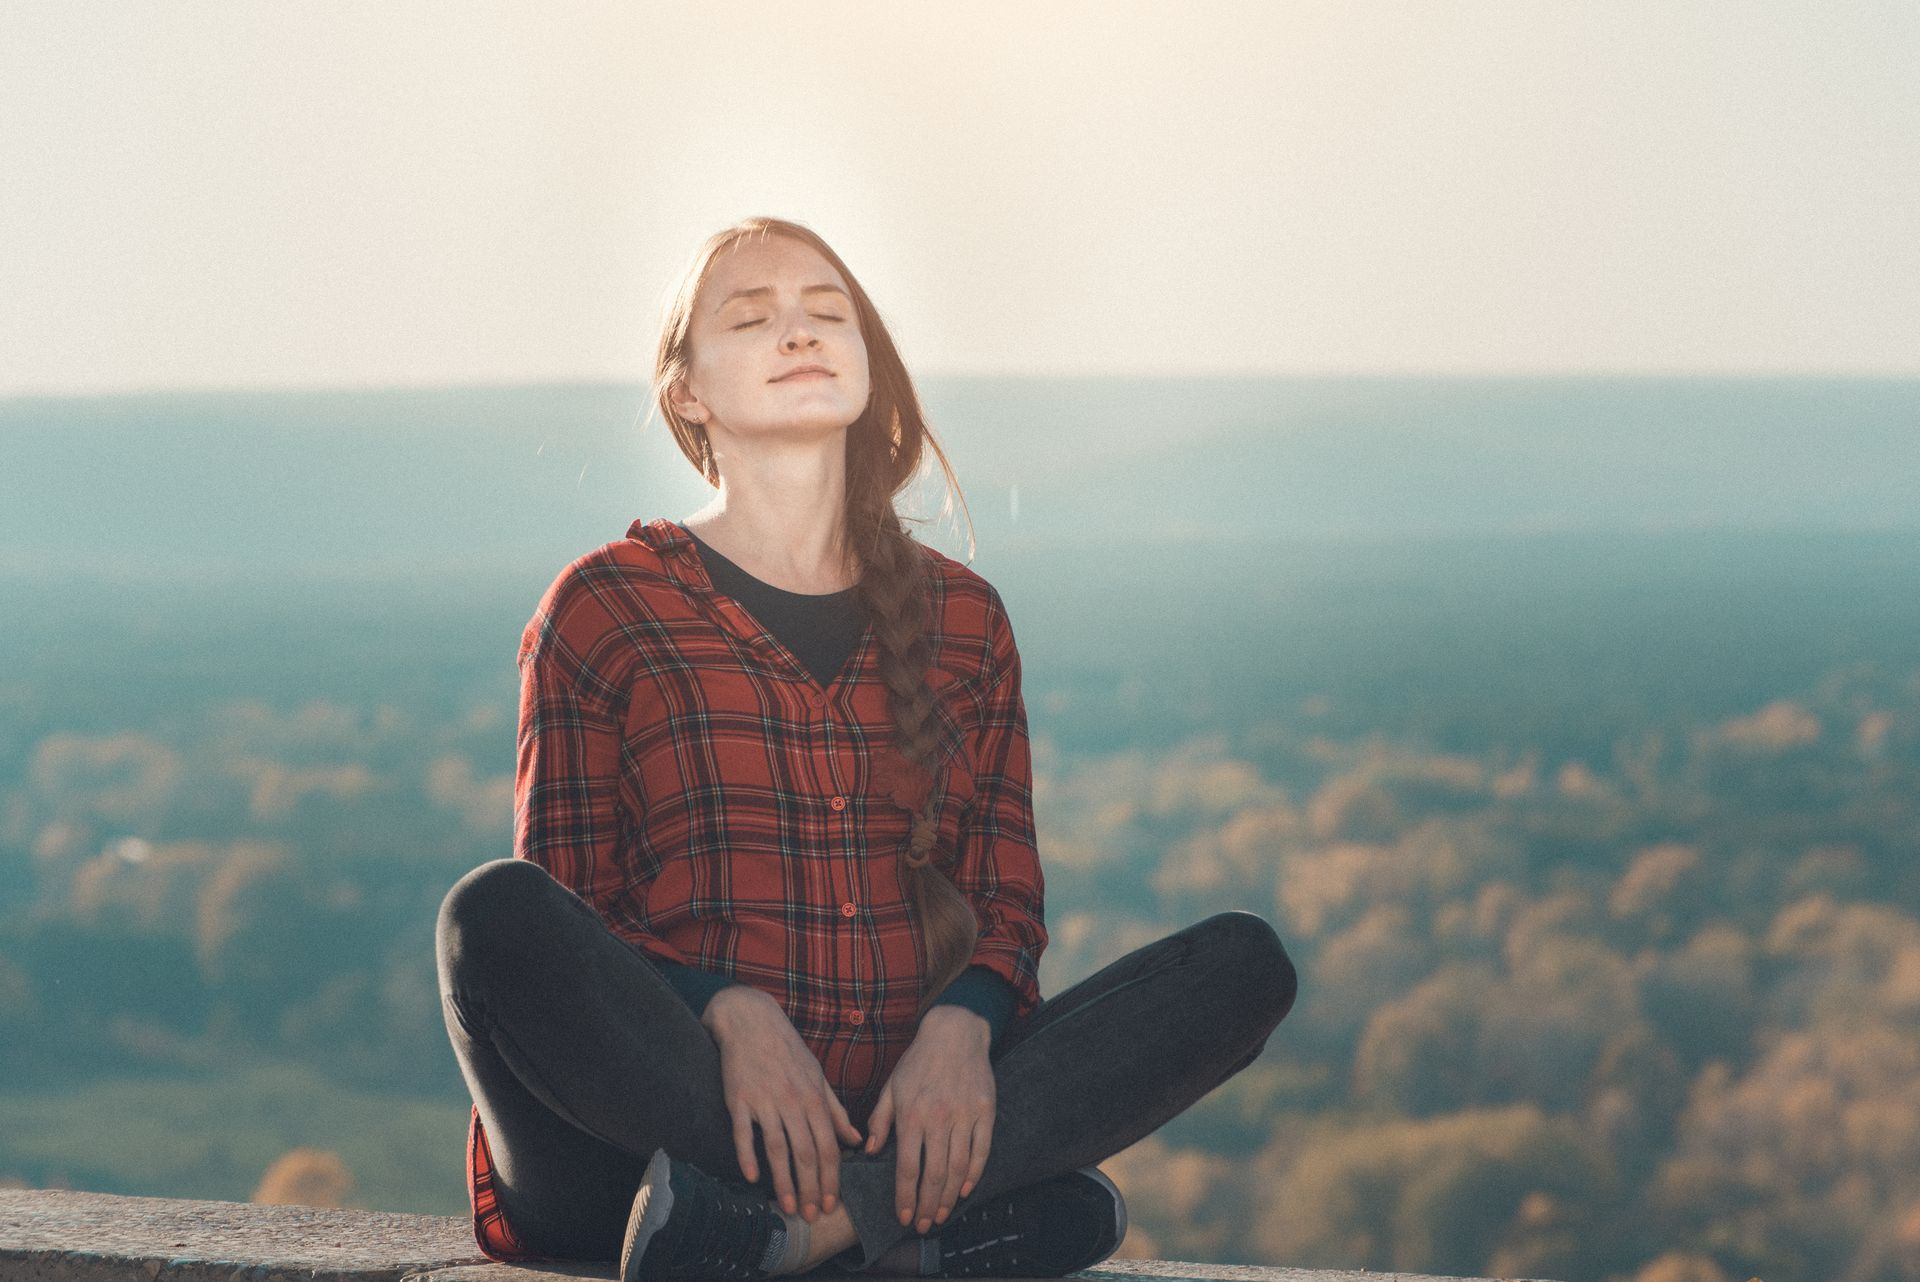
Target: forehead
780	261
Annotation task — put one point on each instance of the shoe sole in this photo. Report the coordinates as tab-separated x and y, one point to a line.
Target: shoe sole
1119	1210
652	1204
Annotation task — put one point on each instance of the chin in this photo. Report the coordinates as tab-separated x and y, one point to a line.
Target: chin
816	421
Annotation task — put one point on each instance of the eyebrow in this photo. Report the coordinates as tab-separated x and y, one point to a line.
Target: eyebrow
761	290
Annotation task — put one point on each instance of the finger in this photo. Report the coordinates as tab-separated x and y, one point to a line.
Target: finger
933	1177
743	1143
959	1157
906	1169
982	1141
776	1140
879	1119
806	1163
830	1198
828	1149
842	1123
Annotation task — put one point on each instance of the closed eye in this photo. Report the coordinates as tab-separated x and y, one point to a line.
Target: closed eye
751	323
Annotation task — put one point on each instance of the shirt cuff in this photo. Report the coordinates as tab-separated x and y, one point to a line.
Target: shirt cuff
695	986
984	993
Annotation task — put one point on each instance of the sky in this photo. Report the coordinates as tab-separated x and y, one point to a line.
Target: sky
211	195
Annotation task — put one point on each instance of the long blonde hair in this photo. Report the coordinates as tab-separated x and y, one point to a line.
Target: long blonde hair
884	450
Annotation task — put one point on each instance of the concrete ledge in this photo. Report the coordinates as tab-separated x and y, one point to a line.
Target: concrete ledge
55	1235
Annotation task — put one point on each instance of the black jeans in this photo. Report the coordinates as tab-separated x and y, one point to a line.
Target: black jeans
582	1060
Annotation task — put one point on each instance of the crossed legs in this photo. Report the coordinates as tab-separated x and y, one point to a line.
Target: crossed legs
582	1060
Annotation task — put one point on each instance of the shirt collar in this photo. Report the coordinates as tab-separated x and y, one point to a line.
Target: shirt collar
678	555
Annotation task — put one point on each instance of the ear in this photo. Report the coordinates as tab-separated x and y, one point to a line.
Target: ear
686	404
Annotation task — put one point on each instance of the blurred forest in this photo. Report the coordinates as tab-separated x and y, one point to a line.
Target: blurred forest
1599	981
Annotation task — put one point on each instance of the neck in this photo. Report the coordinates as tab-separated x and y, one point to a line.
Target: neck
791	541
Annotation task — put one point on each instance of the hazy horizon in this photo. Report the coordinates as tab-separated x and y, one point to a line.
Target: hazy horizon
192	486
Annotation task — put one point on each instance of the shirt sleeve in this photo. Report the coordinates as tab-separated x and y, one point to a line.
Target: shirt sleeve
567	813
695	986
997	864
984	993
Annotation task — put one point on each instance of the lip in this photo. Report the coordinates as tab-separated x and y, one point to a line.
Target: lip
805	371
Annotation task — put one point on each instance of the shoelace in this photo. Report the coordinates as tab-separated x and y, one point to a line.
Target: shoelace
722	1237
716	1261
955	1262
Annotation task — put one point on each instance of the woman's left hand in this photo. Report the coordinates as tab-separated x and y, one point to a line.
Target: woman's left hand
943	1092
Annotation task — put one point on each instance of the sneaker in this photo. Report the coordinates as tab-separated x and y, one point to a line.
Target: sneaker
687	1225
1048	1229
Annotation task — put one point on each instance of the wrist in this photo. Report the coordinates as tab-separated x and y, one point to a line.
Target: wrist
724	1005
948	1016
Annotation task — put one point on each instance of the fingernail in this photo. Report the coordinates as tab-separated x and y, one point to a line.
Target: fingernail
809	1212
940	1217
787	1205
925	1224
906	1214
826	1203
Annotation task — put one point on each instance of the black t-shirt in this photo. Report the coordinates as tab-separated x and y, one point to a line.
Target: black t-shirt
822	631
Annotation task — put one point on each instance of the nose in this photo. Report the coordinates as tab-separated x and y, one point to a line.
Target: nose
799	331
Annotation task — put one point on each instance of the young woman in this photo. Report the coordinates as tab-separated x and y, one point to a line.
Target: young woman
759	990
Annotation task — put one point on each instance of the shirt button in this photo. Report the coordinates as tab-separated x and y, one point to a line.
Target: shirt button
855	1017
847	909
838	803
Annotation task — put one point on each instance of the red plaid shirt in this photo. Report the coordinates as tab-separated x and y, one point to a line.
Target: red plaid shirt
681	771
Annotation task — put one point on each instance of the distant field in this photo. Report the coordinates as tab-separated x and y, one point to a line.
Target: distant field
213	1137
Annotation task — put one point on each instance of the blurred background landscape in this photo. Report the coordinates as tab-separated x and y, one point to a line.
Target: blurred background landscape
1568	731
1451	469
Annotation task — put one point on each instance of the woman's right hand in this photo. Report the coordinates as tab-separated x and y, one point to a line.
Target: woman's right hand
770	1077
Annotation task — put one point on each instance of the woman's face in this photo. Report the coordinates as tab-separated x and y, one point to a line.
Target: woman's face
768	307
